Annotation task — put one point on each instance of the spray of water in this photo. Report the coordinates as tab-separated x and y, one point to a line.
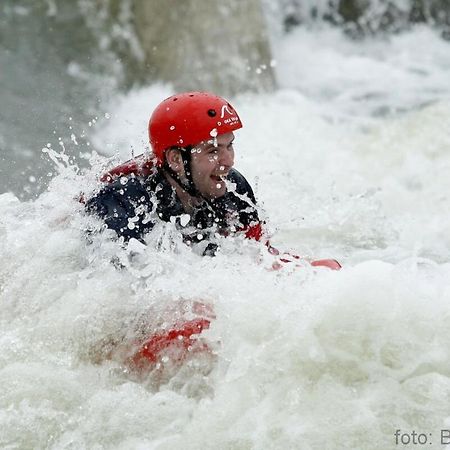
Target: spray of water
300	358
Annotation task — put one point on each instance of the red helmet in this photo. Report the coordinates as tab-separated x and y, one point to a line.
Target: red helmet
189	118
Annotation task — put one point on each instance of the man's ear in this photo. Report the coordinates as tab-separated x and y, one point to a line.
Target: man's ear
174	159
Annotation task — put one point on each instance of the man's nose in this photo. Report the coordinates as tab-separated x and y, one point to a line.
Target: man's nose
226	158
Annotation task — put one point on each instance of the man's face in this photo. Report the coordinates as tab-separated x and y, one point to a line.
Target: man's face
210	163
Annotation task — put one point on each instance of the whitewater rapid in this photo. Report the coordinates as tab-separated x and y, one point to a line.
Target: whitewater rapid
349	159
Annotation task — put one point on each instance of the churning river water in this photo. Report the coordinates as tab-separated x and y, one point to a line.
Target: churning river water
350	158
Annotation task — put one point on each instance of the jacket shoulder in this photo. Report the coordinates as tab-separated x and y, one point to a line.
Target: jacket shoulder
120	191
120	201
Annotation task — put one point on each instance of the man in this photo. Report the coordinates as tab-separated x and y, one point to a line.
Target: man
191	183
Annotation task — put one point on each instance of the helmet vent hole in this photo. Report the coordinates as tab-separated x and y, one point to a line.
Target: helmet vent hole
191	95
212	112
175	99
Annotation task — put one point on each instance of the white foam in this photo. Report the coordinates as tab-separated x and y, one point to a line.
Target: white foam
304	358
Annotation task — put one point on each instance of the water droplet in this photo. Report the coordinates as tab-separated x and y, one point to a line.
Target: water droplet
184	219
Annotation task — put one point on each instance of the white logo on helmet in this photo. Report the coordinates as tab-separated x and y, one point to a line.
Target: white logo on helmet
232	119
227	109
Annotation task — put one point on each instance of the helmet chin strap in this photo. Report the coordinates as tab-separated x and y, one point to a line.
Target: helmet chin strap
188	185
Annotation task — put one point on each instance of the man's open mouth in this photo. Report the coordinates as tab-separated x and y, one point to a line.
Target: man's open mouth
219	178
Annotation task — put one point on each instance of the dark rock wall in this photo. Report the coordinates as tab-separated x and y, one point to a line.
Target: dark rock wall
363	17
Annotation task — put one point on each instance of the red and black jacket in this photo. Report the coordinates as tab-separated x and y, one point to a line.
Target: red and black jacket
132	204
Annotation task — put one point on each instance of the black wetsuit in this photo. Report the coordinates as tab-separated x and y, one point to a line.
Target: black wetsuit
132	205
